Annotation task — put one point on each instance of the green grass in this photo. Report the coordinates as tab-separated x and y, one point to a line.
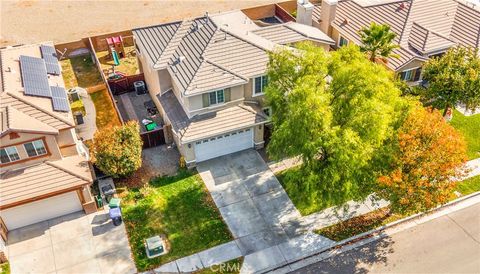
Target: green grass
106	114
230	267
469	126
359	224
302	198
5	268
80	71
178	207
469	185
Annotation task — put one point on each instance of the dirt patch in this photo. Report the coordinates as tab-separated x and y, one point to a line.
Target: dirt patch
63	21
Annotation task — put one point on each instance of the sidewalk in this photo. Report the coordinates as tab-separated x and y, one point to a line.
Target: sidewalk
474	168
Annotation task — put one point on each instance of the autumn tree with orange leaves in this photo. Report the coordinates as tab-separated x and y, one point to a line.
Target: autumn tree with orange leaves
430	154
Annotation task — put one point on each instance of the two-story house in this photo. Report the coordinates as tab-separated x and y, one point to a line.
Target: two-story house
424	28
44	172
207	77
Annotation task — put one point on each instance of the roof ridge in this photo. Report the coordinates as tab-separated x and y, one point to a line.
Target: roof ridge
10	127
254	112
67	171
226	69
184	22
405	23
43	110
245	40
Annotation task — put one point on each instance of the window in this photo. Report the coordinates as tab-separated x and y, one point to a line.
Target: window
216	97
35	148
411	75
259	85
9	154
342	42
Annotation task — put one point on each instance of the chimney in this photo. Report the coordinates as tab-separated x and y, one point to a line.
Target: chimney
304	12
328	15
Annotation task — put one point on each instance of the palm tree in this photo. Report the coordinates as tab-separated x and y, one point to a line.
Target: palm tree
377	40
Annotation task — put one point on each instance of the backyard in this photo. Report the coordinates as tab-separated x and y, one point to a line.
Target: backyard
469	126
178	207
106	114
128	64
80	71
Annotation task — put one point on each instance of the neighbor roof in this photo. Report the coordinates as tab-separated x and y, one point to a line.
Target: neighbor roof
17	121
422	26
209	124
35	181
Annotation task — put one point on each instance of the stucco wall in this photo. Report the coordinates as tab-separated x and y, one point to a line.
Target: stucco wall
50	143
151	76
249	94
195	103
66	137
258	136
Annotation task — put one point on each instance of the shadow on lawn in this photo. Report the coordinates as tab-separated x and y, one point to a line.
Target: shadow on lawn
359	260
177	207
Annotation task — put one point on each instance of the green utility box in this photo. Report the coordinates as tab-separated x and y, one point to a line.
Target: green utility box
114	202
99	201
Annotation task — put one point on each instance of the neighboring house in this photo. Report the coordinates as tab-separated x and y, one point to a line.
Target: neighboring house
207	77
44	169
424	28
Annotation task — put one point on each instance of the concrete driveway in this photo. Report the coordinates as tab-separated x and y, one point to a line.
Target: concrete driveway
250	199
74	243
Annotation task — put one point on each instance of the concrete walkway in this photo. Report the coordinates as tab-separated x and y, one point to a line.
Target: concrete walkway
89	126
474	168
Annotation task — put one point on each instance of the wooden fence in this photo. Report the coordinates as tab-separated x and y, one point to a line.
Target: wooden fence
153	138
125	84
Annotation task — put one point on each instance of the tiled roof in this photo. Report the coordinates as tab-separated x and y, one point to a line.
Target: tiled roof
293	32
424	26
51	176
210	124
405	56
44	116
14	120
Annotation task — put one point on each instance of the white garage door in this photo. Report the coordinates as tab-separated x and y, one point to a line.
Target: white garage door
42	210
223	144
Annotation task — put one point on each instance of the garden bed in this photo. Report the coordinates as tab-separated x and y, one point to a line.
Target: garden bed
105	111
469	126
180	208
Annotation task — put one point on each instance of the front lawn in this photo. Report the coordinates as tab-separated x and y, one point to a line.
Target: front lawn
305	200
469	185
106	113
80	71
469	126
180	208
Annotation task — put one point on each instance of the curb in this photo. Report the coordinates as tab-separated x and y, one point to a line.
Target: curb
374	234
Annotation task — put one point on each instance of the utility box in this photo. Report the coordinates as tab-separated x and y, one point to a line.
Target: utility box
154	247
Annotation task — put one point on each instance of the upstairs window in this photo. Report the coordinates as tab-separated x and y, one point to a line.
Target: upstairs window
342	42
9	154
259	85
217	97
411	75
35	148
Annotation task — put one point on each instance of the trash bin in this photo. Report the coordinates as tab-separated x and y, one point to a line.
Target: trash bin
114	202
99	200
116	216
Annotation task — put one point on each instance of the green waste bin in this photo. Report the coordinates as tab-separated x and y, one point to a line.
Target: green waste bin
99	201
114	202
151	126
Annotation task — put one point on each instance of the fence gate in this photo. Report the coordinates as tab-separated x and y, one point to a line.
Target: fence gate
153	138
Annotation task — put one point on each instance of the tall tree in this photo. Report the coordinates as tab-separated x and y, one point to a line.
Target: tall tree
430	154
117	151
454	78
377	41
336	110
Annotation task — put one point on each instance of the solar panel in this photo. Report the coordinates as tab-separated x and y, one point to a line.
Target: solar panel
34	76
59	99
50	57
58	92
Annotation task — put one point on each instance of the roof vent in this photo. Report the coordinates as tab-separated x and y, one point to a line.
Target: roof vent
345	21
402	6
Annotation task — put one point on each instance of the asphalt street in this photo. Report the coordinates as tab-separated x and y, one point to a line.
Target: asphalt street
448	244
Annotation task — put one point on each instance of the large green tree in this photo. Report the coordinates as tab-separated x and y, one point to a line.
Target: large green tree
377	41
338	111
117	151
454	78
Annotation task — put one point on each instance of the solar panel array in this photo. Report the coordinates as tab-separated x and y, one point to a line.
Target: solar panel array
34	76
59	99
51	61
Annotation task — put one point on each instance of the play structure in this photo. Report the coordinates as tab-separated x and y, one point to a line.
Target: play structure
115	45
